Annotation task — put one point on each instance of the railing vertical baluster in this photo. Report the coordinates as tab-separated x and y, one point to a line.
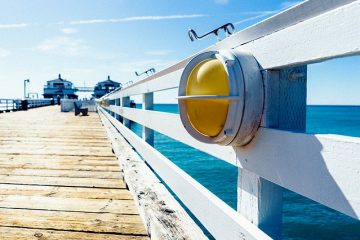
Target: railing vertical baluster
148	104
285	108
117	103
7	105
126	103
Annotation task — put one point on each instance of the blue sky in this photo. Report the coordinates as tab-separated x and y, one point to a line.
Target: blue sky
87	40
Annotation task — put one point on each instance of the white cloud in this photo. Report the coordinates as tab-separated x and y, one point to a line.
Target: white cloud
137	18
159	52
260	15
288	4
4	53
64	45
69	30
223	2
14	25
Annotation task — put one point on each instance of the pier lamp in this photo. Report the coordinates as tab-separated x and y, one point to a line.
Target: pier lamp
221	97
25	81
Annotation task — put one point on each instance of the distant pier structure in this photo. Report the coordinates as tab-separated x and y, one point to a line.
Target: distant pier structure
60	87
105	87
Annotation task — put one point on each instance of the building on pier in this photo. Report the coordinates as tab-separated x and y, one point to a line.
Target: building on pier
105	87
60	87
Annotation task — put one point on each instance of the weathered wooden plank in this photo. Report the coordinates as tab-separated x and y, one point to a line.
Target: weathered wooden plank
51	135
59	151
62	181
106	165
49	147
11	233
68	204
25	159
27	144
49	162
72	221
54	140
57	166
59	173
87	159
65	192
60	178
94	127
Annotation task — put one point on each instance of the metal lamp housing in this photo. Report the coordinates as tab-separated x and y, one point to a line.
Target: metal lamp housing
246	97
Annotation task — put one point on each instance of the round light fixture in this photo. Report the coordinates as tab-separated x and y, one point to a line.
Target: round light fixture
221	97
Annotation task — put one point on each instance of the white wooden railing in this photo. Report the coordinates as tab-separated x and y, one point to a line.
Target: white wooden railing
34	103
7	105
325	168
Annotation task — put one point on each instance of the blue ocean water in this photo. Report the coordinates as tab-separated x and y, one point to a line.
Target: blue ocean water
302	217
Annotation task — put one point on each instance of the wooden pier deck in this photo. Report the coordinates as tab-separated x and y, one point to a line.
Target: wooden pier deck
59	179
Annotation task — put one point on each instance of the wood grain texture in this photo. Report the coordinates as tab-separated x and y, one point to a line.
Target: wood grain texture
59	173
63	181
61	220
63	166
59	179
72	204
8	233
65	192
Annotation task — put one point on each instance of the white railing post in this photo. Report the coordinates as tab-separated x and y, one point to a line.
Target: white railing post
148	104
125	102
118	103
259	200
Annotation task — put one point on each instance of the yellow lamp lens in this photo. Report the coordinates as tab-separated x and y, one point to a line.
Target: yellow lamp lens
207	116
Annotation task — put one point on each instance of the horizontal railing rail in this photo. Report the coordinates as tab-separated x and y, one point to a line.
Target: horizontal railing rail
8	105
320	167
33	103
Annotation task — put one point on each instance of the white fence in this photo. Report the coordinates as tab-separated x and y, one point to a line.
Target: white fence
7	105
325	168
34	103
